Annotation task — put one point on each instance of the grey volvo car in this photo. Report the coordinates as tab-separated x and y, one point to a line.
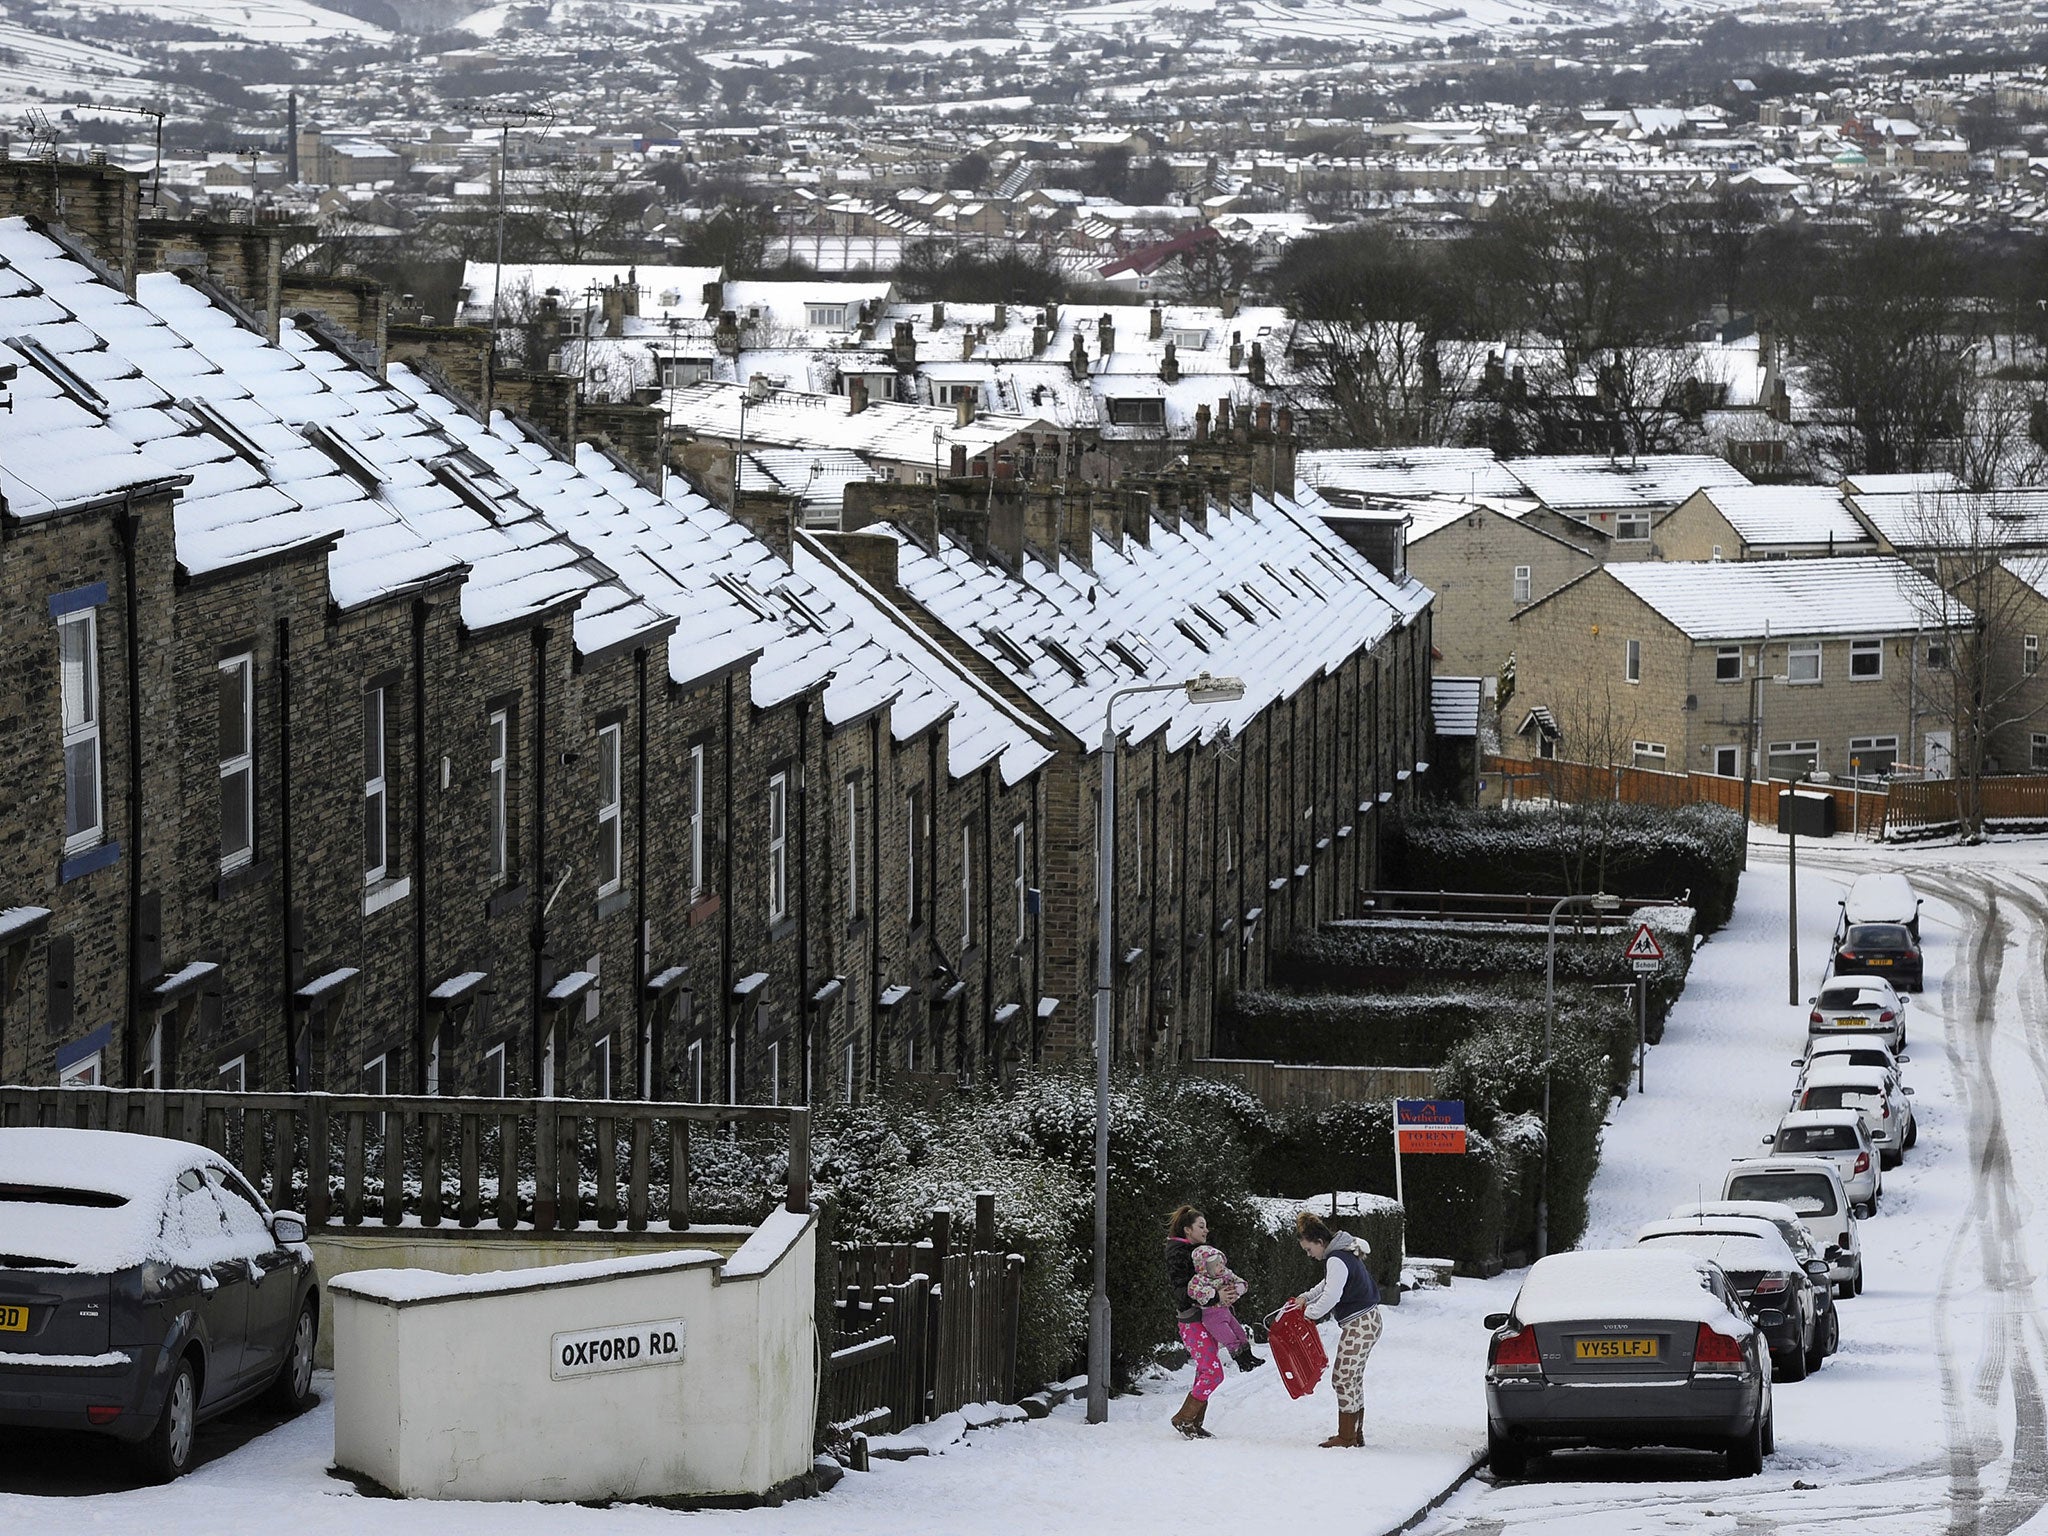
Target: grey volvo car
144	1287
1628	1347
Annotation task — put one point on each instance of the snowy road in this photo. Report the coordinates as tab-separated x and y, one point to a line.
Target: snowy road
1931	1418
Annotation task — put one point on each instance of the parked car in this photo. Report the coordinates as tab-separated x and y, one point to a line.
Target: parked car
144	1287
1839	1136
1868	1006
1628	1347
1812	1187
1881	949
1768	1277
1887	1110
1881	898
1782	1219
1858	1050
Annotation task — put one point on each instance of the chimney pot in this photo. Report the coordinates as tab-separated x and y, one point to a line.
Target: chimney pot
1201	423
959	461
1002	317
856	395
938	317
1158	322
963	410
1262	417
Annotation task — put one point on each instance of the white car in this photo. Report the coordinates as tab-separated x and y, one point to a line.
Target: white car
1883	898
1858	1005
1886	1108
1840	1136
1857	1050
1812	1189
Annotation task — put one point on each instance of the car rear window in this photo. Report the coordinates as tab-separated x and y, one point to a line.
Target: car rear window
1816	1138
1840	1098
1879	936
1849	997
50	1194
1810	1194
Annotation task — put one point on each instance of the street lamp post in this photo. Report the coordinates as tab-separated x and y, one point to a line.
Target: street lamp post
1200	689
1599	901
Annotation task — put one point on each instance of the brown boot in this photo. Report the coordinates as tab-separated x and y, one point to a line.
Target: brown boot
1185	1413
1350	1430
1191	1426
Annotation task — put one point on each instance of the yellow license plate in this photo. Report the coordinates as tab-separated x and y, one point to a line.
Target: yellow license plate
1614	1349
13	1319
1877	962
1851	1023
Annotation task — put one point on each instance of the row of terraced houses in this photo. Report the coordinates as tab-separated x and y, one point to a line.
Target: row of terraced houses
361	740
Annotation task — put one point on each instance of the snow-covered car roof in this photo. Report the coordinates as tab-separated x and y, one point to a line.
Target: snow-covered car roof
1824	1071
1759	1210
1731	1250
1622	1284
1860	984
1799	1119
91	1236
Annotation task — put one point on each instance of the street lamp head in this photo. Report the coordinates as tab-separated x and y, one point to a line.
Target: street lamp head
1602	901
1205	689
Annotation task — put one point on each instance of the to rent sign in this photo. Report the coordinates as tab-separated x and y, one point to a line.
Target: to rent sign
1429	1125
623	1348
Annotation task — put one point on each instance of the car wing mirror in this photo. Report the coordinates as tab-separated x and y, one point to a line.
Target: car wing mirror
1816	1267
1769	1139
1495	1319
1903	1060
288	1229
1906	1091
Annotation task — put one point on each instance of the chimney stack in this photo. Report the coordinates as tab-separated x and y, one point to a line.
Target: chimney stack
1169	365
1158	323
905	345
1002	316
1236	350
1039	337
958	465
938	317
1201	423
963	411
967	346
856	395
1105	336
1077	361
1256	369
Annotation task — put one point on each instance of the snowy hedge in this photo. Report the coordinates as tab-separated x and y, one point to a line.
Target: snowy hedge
1632	850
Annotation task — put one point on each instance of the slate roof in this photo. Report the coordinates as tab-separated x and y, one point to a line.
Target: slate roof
1988	519
1467	472
1790	515
1739	600
1572	482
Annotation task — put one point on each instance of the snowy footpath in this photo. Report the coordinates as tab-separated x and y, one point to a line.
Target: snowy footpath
1884	1434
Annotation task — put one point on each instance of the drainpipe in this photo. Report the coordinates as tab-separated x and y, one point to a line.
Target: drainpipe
537	930
875	956
725	1003
640	879
988	919
129	525
285	868
803	885
419	840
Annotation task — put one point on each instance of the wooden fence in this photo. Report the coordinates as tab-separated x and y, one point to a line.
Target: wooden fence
357	1160
1892	808
921	1329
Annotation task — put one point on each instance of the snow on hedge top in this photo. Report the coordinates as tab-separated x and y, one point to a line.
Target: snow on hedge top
1738	600
1624	1284
139	1170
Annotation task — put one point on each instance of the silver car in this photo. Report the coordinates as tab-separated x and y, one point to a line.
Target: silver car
1840	1136
1813	1190
1626	1347
1861	1005
1857	1050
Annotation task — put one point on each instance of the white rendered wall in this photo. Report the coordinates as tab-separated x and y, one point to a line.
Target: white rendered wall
444	1385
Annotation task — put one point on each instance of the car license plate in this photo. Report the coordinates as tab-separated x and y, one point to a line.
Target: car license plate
13	1319
1614	1349
1875	961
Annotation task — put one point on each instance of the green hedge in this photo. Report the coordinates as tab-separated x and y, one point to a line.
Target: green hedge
1632	850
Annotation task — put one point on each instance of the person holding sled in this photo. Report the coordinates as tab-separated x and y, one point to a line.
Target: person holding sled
1347	1293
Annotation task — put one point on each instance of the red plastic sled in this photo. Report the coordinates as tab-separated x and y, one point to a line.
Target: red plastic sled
1297	1350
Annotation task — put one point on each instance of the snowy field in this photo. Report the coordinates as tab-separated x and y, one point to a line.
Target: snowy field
1930	1418
283	22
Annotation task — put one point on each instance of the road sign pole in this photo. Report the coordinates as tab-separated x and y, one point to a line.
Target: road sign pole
1642	1029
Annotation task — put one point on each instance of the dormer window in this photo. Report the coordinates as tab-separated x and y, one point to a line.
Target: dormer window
825	317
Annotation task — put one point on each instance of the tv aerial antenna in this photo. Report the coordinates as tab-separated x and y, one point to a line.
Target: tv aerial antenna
41	133
156	114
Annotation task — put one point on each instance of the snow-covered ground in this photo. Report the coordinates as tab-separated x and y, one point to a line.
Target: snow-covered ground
1930	1417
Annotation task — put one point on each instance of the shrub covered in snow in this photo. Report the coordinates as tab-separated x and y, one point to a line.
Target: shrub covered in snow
1632	850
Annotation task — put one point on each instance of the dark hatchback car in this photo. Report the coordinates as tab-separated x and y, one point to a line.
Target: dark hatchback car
1627	1347
144	1287
1769	1279
1881	949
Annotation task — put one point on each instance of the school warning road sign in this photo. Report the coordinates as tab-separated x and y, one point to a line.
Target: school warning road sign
1429	1125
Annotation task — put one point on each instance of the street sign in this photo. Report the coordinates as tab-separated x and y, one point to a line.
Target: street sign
1644	952
1429	1125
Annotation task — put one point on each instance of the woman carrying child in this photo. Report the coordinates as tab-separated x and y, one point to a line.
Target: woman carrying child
1204	1291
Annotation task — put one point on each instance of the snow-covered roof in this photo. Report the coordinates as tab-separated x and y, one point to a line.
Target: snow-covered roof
664	291
885	430
1571	482
1765	515
1984	520
1466	472
1739	600
1926	482
1267	594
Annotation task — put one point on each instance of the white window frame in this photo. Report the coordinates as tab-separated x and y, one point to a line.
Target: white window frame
644	1064
79	711
853	907
778	847
1020	847
1725	653
1859	745
89	1071
1861	650
495	1079
1626	524
774	1071
1777	749
1734	758
1656	750
547	1085
696	821
1523	576
825	317
2037	749
433	1062
376	785
236	1067
498	738
238	769
693	1070
1632	661
2030	654
852	1070
378	1070
601	1065
611	860
1798	652
966	885
150	1072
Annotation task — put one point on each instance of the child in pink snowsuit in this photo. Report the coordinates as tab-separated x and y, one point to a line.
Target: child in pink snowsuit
1216	1290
